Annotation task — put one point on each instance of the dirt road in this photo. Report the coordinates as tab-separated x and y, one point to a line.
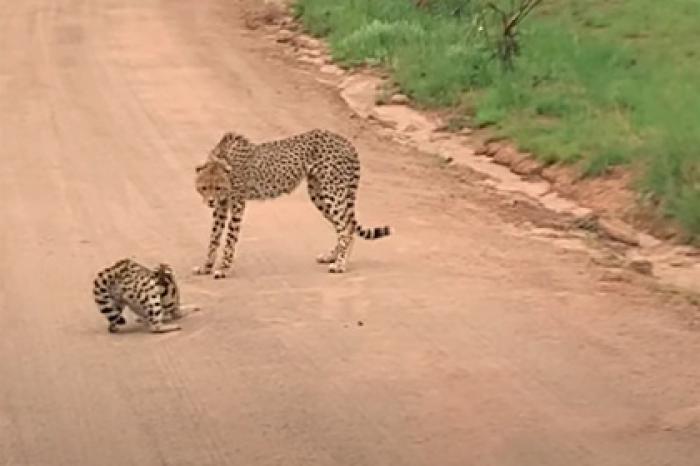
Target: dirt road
478	345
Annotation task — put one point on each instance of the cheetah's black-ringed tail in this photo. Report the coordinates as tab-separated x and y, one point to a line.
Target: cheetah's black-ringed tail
372	233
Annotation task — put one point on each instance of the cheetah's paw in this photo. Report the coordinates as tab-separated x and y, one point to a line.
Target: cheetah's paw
326	258
114	327
165	328
202	270
173	316
336	267
219	274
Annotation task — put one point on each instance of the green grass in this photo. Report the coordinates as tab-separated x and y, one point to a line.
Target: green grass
599	82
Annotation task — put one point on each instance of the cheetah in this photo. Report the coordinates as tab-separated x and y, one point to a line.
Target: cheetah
152	294
238	170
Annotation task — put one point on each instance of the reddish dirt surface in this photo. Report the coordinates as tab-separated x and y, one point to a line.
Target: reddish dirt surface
479	345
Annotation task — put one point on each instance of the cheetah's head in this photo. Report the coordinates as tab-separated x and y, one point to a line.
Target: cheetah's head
213	181
164	269
164	274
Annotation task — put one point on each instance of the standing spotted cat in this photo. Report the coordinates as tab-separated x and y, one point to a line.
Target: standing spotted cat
152	294
238	170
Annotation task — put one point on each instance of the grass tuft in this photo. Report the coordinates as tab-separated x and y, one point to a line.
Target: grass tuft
598	83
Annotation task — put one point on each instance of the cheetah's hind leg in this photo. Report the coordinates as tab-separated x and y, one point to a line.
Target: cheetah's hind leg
112	310
314	188
343	248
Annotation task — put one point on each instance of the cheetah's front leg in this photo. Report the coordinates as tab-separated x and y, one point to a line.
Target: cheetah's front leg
219	219
175	314
180	312
155	316
234	229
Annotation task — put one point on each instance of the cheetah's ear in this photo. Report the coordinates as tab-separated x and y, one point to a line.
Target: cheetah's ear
228	136
220	163
199	168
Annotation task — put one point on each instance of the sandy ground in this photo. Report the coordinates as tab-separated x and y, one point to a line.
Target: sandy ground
457	341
